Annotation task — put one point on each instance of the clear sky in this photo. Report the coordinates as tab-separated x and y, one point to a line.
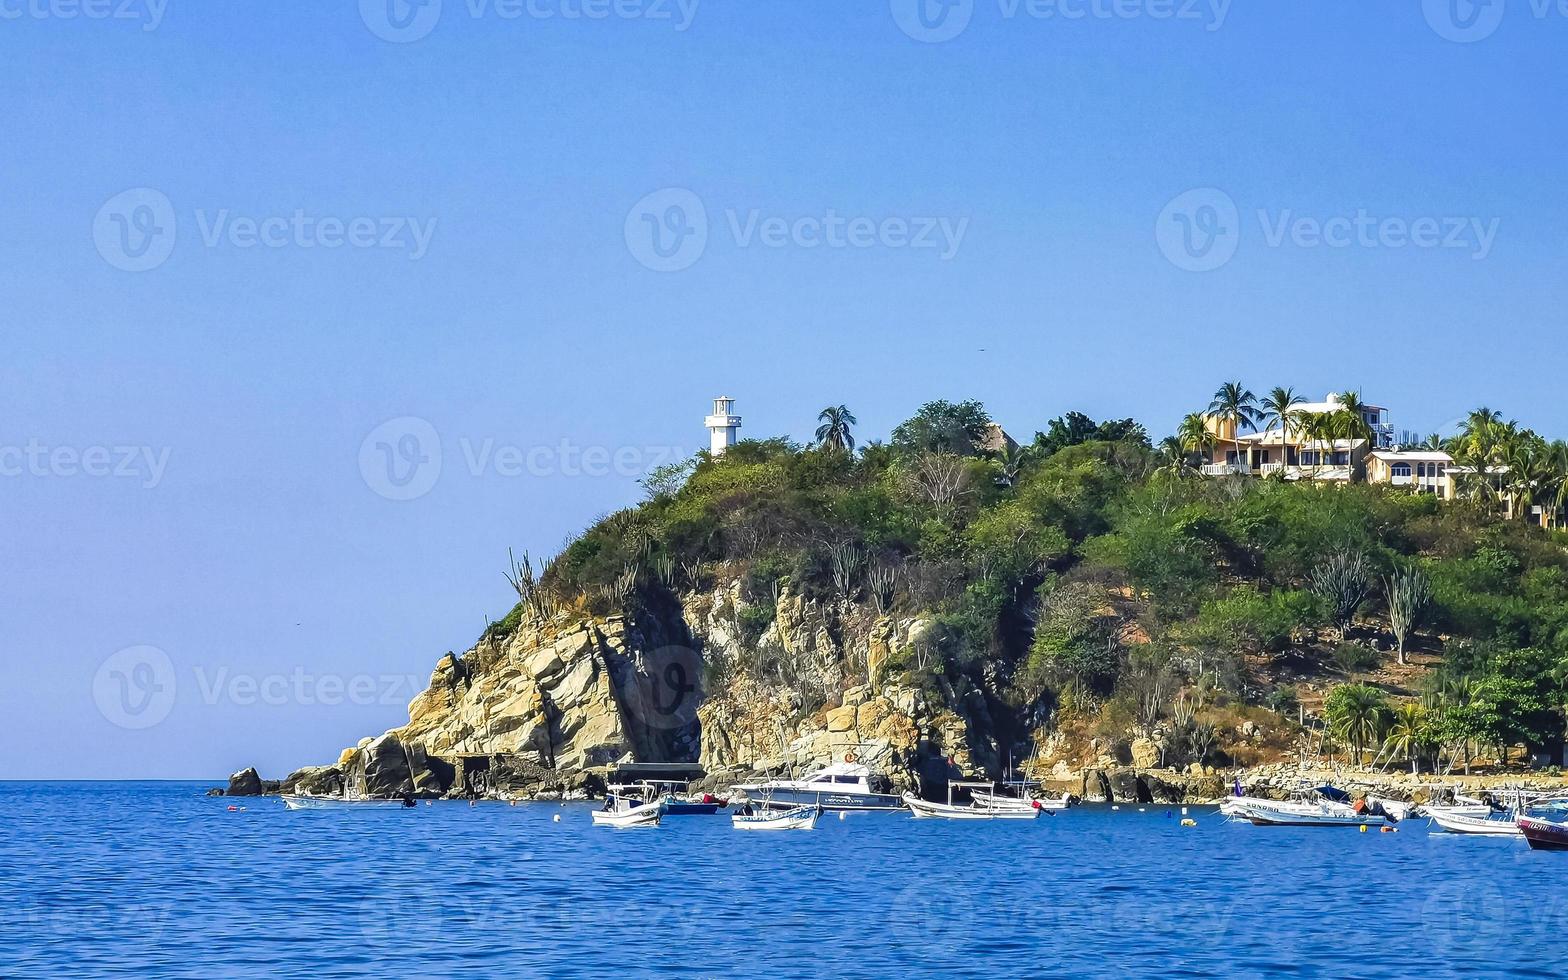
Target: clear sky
220	546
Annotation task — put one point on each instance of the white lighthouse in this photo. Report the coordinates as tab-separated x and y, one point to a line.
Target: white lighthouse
722	425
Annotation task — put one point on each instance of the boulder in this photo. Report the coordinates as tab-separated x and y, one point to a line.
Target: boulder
841	719
386	768
1145	752
246	782
315	781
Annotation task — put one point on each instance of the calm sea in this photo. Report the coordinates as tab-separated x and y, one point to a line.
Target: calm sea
154	879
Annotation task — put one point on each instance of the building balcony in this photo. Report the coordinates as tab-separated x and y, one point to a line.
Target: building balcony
1226	469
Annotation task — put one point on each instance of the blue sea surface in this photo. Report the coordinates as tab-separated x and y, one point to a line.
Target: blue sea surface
155	879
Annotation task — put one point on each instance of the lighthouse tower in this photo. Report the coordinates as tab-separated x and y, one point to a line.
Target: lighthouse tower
722	425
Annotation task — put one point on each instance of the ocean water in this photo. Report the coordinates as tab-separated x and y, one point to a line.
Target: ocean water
154	879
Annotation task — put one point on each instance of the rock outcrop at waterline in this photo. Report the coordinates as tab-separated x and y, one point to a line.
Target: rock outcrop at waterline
547	707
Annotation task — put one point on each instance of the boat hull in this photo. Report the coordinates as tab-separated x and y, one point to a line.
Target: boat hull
1455	824
999	802
943	811
646	815
799	818
779	797
1544	835
293	802
1273	814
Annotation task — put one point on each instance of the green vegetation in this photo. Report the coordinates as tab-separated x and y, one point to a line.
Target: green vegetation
1089	574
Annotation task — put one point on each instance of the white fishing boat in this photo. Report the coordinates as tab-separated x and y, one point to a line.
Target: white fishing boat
619	812
297	801
1495	826
1002	801
1309	813
1396	809
795	818
1461	806
1009	810
846	785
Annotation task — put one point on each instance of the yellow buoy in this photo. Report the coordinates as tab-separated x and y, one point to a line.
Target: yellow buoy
1363	828
1189	822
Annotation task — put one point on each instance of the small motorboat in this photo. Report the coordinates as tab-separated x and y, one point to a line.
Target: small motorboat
1319	812
623	812
847	785
1494	826
1461	806
676	804
1002	801
296	801
1396	809
1011	809
1543	834
794	818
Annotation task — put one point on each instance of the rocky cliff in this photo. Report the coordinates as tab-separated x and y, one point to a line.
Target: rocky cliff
547	707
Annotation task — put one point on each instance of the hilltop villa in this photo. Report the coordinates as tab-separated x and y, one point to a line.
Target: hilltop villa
1285	448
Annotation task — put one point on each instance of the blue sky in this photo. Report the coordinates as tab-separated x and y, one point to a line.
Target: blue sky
193	456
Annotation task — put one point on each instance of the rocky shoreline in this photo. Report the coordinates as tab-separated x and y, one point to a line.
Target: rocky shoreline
1096	785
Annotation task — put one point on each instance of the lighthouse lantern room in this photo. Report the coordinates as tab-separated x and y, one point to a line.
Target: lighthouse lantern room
722	425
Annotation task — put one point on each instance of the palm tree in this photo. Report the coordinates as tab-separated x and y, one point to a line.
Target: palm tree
1236	404
1407	733
1194	435
1557	488
1170	457
1280	408
1320	428
1355	425
834	432
1356	713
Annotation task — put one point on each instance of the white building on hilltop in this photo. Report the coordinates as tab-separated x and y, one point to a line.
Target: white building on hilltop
722	425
